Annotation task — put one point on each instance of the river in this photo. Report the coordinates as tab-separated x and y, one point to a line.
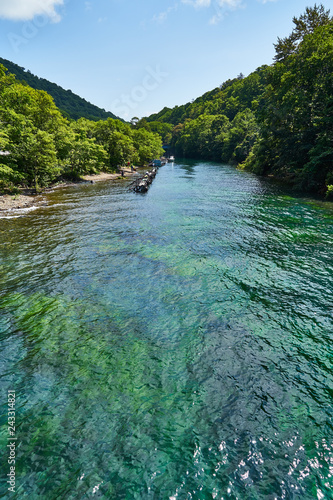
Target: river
172	345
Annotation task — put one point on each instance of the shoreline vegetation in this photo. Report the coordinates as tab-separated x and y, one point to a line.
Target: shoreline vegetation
277	122
70	104
39	146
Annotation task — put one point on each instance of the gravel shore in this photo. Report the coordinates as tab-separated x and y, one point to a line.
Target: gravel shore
27	199
15	202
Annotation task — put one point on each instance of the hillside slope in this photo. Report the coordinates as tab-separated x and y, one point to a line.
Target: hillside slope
72	105
277	121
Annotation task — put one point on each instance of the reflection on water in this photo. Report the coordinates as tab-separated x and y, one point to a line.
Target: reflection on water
170	346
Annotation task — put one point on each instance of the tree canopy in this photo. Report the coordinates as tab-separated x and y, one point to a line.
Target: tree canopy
312	18
276	121
41	145
71	105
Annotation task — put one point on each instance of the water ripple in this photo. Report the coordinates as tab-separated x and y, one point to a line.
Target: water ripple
175	345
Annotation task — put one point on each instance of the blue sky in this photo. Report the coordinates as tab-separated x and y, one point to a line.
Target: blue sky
133	58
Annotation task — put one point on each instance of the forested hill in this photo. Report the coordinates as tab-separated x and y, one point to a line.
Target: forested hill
72	105
277	121
40	146
231	97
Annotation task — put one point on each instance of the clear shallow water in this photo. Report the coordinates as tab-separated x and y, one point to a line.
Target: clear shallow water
174	345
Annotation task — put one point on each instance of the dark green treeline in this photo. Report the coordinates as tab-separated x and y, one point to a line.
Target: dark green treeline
276	121
39	145
71	105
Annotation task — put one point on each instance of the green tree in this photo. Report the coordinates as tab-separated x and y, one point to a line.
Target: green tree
32	152
240	138
162	129
85	157
295	114
304	25
134	121
147	144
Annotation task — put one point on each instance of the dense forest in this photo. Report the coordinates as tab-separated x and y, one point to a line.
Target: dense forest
39	145
70	104
276	121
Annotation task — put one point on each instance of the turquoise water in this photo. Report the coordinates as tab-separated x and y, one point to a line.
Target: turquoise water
173	345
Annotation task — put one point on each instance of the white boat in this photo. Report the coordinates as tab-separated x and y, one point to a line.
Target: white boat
172	158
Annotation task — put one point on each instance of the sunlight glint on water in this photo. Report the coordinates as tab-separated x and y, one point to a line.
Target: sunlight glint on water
174	345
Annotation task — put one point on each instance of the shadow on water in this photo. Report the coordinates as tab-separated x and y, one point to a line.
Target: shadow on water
187	166
176	345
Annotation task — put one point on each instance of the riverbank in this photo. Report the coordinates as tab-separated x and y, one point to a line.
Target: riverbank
103	176
19	201
28	199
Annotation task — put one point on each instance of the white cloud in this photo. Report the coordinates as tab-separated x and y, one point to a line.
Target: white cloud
213	3
198	3
24	10
232	4
216	18
162	16
220	7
